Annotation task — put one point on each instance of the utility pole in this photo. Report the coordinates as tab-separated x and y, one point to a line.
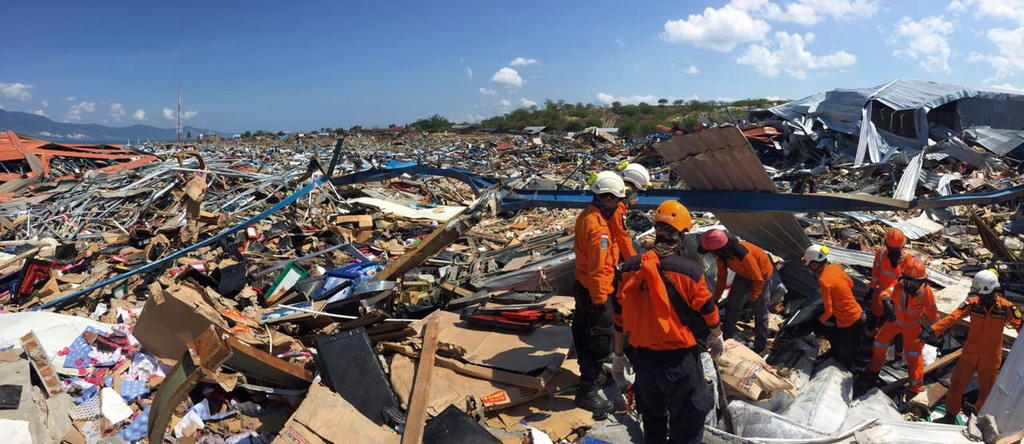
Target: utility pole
177	129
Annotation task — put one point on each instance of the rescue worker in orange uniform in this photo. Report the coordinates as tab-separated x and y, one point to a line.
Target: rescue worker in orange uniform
842	318
907	304
886	269
597	255
665	307
636	179
754	277
983	351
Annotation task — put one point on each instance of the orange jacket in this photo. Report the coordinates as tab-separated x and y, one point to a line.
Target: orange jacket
750	262
985	336
596	254
837	294
645	311
911	311
883	275
617	224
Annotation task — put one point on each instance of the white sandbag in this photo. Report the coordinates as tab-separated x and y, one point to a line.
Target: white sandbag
872	405
821	405
751	421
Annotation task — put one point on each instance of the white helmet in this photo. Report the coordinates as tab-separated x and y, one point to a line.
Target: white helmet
815	253
985	282
637	175
607	182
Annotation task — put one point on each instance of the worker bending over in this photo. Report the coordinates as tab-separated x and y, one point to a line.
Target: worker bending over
596	258
842	316
886	270
636	178
906	305
665	307
983	351
754	277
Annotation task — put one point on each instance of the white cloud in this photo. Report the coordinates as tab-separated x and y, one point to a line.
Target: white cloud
620	43
809	12
505	102
926	41
720	29
72	99
1005	87
16	91
473	118
469	72
39	112
508	77
692	70
788	55
45	104
185	115
1010	59
116	111
527	102
487	91
999	9
76	111
519	61
139	114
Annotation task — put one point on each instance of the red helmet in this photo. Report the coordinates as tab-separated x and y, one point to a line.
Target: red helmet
913	267
894	238
713	240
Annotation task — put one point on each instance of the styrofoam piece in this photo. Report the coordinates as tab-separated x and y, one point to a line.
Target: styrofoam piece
16	431
113	407
54	330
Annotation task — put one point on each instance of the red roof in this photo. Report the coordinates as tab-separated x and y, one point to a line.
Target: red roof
38	155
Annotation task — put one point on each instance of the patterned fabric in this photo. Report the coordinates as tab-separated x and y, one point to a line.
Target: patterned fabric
137	429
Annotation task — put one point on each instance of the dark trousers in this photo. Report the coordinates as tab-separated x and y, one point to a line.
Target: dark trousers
739	297
845	343
591	335
672	395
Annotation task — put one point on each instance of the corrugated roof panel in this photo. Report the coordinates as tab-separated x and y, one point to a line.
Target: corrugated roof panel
722	159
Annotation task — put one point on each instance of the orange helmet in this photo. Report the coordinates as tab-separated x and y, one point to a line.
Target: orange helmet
894	238
675	214
913	267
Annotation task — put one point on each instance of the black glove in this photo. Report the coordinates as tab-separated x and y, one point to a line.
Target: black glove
926	334
890	310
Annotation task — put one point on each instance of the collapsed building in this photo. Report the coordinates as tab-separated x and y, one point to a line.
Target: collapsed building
416	287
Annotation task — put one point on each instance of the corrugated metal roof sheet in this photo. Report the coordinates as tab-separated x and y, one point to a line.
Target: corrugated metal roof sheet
913	94
999	141
722	159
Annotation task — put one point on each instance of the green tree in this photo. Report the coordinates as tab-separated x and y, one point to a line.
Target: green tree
662	102
593	121
431	124
616	105
280	133
355	129
629	110
677	102
247	134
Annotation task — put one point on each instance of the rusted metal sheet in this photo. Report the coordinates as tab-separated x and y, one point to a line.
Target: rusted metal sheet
721	159
39	154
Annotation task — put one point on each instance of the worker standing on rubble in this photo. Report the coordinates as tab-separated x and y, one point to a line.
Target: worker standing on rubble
842	317
596	258
885	271
753	282
906	305
665	306
636	179
983	351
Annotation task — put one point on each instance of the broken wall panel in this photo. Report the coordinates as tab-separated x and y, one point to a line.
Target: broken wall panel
722	159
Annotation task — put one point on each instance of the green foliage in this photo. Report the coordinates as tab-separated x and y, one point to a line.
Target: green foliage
432	124
355	129
662	102
247	134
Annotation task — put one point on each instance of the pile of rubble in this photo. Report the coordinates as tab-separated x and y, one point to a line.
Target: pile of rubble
417	287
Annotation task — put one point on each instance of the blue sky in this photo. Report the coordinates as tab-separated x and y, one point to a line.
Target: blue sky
301	65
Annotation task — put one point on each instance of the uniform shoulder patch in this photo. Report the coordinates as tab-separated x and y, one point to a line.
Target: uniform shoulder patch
964	305
604	244
1016	312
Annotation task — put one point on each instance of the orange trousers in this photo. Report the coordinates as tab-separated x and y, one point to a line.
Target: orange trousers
987	369
912	347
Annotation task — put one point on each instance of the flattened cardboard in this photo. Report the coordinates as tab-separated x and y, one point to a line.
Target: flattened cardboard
173	317
545	347
325	417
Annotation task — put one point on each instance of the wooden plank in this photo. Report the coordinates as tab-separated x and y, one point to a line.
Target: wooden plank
952	357
416	420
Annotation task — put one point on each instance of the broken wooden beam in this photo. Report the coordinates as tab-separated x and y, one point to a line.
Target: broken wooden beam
948	359
417	417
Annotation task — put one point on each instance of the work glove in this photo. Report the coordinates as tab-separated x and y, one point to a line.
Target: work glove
621	366
830	322
890	310
926	333
716	343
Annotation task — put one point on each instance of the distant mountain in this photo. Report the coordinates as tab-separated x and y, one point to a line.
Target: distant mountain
41	127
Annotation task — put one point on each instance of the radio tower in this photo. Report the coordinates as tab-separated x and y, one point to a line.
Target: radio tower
177	129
